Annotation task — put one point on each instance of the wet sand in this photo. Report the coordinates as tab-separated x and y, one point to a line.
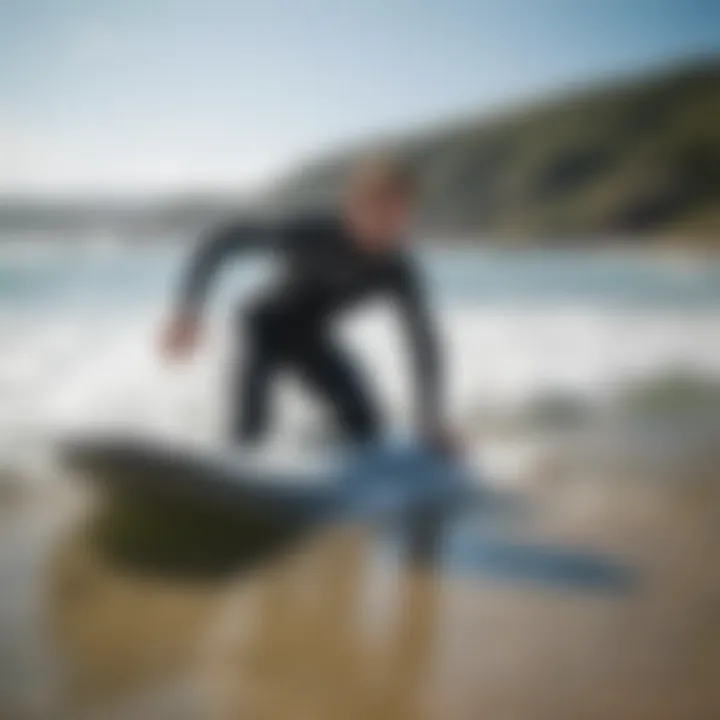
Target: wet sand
337	635
340	628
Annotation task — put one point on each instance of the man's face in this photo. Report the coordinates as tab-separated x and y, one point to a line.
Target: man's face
379	216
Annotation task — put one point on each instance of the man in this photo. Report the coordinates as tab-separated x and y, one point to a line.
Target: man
332	262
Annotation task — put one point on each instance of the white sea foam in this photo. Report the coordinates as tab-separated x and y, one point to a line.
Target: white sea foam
101	371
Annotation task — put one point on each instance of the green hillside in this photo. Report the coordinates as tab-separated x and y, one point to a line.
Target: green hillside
637	158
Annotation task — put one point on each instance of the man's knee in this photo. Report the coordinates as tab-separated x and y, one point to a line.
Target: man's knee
361	427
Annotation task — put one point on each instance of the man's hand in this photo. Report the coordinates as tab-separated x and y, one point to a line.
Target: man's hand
180	337
441	440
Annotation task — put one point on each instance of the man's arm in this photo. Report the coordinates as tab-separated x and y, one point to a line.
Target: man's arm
425	350
183	331
213	250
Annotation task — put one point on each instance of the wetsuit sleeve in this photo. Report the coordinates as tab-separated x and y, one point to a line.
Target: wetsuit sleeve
215	247
424	345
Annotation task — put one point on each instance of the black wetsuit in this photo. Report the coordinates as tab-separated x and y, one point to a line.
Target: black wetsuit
325	272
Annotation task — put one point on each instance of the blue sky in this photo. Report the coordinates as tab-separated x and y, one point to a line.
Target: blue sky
156	95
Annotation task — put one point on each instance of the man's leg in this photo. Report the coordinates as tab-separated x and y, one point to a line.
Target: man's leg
252	375
250	397
331	373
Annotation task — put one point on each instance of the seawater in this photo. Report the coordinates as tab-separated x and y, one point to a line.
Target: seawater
79	324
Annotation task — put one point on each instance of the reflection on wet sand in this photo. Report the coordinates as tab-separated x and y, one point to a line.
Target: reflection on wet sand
329	632
341	628
336	632
117	637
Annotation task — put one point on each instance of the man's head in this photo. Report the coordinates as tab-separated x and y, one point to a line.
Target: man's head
380	201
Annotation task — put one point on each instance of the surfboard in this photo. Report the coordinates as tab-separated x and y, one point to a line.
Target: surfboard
372	481
179	508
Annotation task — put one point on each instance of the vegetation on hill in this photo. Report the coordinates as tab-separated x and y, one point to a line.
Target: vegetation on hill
637	158
621	161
